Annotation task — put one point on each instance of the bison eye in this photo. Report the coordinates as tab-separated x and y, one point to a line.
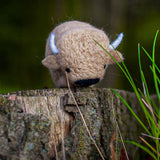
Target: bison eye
104	66
68	70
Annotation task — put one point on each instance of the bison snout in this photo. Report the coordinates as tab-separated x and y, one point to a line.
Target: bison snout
86	82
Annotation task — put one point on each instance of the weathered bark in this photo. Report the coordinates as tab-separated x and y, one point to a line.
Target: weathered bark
38	124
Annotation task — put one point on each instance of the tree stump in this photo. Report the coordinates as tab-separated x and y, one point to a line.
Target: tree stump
45	124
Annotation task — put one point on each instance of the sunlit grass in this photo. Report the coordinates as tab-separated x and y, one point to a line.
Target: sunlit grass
150	109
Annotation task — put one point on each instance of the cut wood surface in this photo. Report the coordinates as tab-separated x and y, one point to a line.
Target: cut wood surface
45	124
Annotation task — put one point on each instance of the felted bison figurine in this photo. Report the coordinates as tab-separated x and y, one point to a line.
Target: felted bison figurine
71	48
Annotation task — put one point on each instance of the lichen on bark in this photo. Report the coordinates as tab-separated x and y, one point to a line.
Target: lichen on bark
22	136
45	124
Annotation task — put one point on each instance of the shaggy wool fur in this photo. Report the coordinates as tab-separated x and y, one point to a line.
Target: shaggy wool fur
79	54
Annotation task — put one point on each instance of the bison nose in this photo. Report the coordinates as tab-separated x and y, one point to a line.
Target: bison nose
86	82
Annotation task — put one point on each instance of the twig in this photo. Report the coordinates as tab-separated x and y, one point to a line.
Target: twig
84	122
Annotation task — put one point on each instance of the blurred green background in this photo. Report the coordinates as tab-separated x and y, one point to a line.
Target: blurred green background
25	26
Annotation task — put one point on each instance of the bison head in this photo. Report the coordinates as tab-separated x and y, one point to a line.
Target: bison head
72	48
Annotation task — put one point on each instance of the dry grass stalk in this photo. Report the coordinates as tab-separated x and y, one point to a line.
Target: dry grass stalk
84	122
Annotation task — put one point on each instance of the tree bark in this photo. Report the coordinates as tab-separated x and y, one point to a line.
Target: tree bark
45	124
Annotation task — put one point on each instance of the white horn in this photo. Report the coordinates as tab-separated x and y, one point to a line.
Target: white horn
116	43
52	44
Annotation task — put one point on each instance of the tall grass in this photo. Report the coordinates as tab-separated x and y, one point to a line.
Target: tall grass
150	109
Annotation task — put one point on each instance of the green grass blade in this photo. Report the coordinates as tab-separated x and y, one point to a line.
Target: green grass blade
154	44
143	148
155	107
147	102
156	83
122	69
148	145
126	73
131	110
144	83
146	112
129	77
153	67
139	60
145	87
151	60
157	78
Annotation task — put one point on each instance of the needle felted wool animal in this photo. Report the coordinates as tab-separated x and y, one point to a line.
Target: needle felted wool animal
71	48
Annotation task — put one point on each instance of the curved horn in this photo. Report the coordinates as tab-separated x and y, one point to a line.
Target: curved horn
52	44
116	43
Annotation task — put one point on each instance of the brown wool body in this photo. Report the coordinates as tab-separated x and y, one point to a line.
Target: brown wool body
79	54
